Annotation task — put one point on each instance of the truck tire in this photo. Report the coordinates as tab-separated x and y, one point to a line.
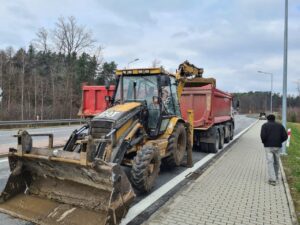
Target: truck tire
231	131
177	146
227	139
204	147
221	143
214	147
145	168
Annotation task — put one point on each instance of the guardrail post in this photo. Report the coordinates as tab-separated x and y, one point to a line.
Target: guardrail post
50	146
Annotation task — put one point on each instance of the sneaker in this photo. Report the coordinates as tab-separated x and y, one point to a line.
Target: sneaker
272	182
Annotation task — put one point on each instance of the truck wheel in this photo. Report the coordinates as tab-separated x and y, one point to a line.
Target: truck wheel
145	168
214	147
221	143
227	139
204	147
177	146
231	131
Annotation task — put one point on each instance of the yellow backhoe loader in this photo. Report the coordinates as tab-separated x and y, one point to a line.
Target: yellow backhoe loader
93	179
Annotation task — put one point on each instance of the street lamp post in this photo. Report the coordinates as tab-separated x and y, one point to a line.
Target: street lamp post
271	102
137	59
284	86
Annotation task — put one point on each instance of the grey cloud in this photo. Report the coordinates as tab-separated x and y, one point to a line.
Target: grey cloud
20	9
230	39
181	34
114	34
130	11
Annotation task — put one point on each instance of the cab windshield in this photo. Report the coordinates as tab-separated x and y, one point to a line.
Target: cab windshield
145	88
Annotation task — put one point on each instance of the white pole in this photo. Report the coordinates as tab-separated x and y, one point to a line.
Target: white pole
271	93
285	56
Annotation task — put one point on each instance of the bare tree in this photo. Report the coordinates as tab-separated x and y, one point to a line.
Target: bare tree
1	77
98	54
298	86
9	52
42	40
22	84
69	37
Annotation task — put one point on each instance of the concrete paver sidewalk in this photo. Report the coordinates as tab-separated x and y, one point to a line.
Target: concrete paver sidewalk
232	191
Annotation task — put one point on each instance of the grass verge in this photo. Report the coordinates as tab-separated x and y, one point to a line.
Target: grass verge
291	165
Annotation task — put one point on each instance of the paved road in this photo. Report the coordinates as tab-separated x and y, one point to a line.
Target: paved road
233	191
63	132
241	123
60	134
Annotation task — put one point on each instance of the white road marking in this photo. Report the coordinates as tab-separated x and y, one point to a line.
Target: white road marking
150	199
3	160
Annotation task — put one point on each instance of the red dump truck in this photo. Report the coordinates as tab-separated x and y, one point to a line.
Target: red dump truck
95	99
213	119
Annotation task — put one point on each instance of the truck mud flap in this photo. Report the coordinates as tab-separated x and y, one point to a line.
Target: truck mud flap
44	191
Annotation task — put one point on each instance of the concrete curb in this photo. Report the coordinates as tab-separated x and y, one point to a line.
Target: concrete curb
288	196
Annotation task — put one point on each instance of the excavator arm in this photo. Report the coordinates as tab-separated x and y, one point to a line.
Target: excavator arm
188	74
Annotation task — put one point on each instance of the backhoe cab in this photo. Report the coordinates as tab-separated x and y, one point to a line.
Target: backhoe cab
156	90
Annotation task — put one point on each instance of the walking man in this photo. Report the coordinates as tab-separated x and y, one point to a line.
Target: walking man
272	136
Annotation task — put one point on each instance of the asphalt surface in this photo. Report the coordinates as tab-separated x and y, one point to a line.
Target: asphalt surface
241	122
60	134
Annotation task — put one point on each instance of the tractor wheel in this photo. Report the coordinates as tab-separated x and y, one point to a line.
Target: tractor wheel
177	146
214	147
145	168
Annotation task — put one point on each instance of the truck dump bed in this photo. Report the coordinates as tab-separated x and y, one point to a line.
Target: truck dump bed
93	99
211	105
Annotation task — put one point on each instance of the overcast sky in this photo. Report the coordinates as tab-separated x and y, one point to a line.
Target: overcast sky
230	39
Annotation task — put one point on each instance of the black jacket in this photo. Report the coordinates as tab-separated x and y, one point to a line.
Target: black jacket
273	134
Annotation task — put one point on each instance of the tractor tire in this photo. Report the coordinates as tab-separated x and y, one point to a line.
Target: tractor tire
145	169
221	143
177	146
214	147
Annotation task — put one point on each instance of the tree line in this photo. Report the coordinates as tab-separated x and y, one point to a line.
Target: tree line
44	81
256	102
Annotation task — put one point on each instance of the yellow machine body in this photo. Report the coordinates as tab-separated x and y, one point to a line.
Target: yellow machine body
85	182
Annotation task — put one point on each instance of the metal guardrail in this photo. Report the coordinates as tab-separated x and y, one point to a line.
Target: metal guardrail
39	122
3	155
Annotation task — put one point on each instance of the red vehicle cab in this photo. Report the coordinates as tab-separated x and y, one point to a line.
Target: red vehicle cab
95	99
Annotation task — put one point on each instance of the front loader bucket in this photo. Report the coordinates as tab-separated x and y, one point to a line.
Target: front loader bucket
49	190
